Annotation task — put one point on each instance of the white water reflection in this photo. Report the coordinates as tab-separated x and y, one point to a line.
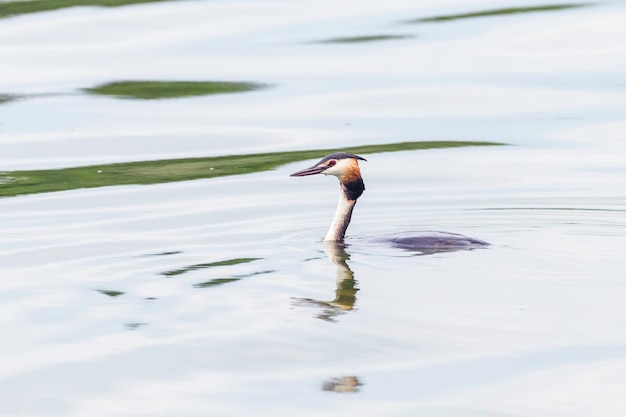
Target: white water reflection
530	65
531	326
428	333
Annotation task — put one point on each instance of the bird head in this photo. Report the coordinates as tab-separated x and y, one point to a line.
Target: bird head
342	165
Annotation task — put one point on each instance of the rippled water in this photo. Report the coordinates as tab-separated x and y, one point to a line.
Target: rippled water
217	296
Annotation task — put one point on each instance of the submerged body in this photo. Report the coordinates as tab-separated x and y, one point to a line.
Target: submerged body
345	167
429	242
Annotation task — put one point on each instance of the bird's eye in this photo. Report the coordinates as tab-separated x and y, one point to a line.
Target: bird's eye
331	163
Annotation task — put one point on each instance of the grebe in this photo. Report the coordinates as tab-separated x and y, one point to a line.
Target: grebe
345	167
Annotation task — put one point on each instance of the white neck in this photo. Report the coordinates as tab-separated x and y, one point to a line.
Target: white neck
340	223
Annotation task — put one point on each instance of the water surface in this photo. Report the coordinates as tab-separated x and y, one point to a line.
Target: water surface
199	293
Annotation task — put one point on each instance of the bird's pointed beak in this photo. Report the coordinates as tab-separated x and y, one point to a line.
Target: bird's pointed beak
309	171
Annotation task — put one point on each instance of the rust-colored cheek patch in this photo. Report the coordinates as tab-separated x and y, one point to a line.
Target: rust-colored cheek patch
352	172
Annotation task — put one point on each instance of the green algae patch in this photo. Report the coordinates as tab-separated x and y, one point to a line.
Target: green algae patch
154	90
13	183
499	12
366	39
16	8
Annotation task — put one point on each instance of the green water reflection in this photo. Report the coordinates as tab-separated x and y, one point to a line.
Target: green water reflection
196	267
15	8
172	170
5	98
220	281
499	12
364	39
167	253
217	281
153	90
111	293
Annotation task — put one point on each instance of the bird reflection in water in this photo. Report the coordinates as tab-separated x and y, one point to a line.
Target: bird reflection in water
344	384
346	285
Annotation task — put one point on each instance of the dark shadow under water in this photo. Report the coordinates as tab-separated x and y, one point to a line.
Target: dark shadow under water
424	243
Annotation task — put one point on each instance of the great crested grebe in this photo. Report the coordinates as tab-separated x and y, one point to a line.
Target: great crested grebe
345	167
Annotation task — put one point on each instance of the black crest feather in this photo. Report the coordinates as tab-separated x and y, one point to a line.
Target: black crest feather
340	155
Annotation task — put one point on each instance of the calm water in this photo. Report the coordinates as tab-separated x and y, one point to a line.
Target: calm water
216	297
